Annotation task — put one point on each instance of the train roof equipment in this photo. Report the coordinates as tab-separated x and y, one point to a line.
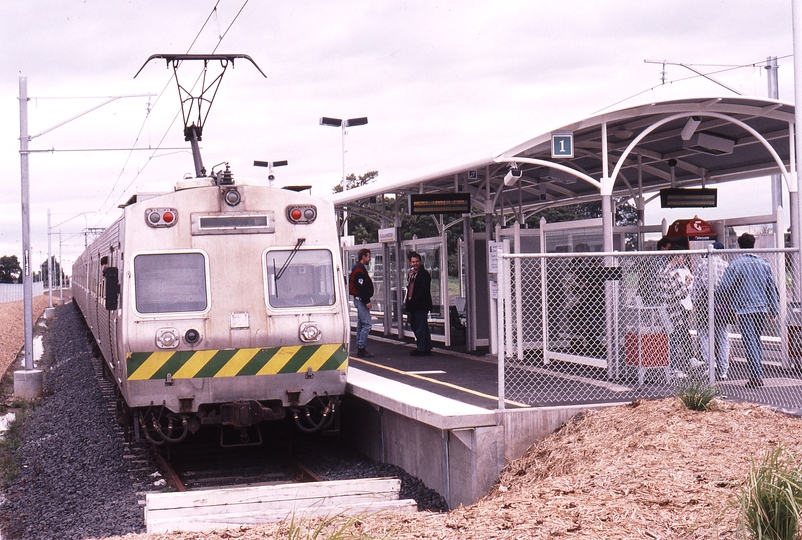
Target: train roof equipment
195	109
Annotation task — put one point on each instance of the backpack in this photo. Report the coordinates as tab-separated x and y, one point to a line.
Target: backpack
352	281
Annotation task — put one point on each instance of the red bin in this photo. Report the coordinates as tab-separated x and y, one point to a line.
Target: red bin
646	349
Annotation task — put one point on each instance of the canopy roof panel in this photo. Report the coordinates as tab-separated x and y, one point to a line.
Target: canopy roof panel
720	143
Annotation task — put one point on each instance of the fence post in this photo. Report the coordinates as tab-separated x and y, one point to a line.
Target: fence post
712	353
500	307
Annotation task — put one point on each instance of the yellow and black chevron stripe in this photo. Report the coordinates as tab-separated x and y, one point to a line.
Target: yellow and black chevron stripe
236	362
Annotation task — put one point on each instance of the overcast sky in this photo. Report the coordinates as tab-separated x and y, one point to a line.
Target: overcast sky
438	80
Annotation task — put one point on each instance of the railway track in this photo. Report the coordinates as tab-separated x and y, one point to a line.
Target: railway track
216	487
205	465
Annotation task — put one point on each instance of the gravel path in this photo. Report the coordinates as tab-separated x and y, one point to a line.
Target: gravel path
11	323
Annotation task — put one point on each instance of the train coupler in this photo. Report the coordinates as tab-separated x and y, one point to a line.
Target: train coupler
244	413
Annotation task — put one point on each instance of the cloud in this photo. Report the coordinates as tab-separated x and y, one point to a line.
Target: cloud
436	80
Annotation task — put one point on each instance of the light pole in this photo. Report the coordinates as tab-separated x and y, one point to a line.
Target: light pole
270	165
340	123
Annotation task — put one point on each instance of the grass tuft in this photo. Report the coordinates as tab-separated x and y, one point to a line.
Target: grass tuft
335	527
770	500
10	442
697	394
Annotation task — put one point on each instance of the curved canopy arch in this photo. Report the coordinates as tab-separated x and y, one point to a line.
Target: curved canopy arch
695	120
757	129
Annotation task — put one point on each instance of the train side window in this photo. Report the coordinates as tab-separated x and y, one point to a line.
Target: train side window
170	282
300	278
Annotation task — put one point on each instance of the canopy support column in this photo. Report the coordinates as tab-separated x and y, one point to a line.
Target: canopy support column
795	144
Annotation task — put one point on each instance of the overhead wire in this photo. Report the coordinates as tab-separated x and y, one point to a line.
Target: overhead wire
169	128
689	77
145	120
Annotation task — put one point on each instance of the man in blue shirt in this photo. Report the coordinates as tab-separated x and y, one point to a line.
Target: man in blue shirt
361	288
749	286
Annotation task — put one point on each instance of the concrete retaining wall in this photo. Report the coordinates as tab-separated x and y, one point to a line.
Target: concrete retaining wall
456	449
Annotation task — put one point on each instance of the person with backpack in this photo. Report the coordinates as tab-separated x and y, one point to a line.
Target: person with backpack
360	286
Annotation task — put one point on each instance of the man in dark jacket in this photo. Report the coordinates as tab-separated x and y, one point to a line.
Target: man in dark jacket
418	304
361	288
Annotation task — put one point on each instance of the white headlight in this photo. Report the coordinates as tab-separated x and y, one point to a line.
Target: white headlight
167	338
309	331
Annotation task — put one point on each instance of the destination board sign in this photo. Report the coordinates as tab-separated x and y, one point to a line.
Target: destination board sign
439	203
688	198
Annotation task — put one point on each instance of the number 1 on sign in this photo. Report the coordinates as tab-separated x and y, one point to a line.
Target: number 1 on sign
562	145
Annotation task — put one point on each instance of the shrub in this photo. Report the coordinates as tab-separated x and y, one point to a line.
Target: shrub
697	395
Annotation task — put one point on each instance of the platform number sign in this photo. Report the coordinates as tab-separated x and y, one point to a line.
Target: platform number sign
562	145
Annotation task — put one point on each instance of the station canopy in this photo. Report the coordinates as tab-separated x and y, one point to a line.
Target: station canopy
681	143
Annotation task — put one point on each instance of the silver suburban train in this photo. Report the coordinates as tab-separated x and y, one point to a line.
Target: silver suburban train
219	303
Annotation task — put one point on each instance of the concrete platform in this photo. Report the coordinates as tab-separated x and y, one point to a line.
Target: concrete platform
453	437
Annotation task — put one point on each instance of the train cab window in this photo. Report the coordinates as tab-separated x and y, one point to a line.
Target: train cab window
170	282
300	278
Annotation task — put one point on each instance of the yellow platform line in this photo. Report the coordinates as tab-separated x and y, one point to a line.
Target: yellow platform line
441	383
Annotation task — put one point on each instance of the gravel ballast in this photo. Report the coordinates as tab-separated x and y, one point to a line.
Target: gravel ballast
74	479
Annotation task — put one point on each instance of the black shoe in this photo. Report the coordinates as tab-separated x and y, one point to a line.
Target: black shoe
363	353
427	353
416	352
754	383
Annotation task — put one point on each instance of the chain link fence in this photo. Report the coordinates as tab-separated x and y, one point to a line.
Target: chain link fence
588	328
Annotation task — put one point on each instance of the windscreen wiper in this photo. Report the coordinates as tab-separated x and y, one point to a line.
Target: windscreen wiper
281	271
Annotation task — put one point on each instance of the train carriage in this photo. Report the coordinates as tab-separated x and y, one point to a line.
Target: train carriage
219	303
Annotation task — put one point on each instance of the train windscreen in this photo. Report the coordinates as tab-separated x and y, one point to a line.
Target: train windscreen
170	282
300	278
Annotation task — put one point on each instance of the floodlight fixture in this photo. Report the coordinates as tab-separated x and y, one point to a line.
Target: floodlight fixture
334	122
270	165
342	124
361	121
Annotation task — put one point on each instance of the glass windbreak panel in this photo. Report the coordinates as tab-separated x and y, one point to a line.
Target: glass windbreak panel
170	282
300	278
431	261
580	240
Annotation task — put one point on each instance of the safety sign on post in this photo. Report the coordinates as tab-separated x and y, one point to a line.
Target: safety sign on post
495	248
